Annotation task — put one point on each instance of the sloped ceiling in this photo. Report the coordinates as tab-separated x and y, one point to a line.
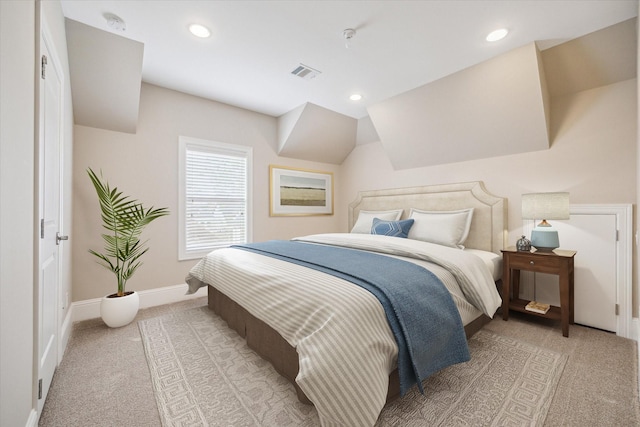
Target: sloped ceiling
598	59
500	106
398	46
491	109
106	76
311	132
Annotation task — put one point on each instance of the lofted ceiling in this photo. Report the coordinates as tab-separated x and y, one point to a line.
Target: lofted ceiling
398	45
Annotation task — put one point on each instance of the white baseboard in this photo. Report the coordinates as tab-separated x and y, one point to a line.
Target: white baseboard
65	334
90	309
32	421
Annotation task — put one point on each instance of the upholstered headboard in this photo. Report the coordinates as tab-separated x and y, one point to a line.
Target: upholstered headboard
488	226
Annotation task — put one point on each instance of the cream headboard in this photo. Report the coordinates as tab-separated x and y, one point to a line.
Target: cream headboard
488	226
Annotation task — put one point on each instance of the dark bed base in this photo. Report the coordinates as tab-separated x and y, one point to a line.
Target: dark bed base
272	347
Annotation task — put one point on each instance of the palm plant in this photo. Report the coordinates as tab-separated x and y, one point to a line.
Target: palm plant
125	219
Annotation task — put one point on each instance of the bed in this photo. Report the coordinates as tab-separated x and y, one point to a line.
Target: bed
284	308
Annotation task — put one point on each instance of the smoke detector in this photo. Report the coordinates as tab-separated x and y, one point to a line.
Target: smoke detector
305	72
115	22
348	34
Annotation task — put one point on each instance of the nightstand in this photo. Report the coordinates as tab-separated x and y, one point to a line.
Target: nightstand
559	262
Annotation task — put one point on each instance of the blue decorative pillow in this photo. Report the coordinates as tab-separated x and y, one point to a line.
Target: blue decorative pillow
391	228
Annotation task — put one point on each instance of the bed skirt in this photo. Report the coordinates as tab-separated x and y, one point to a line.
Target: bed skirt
268	343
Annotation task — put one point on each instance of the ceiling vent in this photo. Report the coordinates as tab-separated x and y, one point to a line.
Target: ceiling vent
305	72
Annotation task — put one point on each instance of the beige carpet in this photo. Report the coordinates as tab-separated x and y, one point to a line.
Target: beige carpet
204	374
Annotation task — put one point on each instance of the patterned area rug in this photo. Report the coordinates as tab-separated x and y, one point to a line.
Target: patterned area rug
204	374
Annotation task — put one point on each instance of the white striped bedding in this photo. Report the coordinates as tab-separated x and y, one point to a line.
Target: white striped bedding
346	348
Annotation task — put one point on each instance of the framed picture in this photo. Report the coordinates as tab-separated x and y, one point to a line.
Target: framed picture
299	192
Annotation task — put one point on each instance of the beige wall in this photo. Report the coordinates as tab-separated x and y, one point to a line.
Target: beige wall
17	110
145	165
593	156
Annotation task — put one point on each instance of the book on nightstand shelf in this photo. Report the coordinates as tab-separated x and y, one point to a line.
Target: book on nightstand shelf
537	307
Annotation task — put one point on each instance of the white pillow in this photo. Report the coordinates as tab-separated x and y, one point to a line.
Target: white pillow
448	228
365	219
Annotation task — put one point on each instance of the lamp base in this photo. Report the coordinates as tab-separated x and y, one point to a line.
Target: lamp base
545	239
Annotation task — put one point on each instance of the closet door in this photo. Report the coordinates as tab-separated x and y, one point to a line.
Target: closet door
602	274
594	237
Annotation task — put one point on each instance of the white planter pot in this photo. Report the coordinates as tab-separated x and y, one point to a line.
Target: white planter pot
119	311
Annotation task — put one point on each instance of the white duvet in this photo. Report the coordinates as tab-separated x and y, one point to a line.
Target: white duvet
345	346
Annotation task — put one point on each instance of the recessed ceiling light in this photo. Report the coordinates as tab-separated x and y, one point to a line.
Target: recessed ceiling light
496	35
355	97
199	30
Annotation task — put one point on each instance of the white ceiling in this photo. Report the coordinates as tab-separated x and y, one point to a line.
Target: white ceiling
399	45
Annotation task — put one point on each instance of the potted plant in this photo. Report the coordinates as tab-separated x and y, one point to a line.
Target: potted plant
124	219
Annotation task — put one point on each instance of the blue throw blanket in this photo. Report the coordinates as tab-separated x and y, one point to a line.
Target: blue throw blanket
419	309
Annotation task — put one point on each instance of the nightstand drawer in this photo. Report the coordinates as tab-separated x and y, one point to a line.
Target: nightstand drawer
529	263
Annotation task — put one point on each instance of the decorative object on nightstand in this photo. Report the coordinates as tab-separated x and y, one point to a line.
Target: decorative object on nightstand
523	244
545	206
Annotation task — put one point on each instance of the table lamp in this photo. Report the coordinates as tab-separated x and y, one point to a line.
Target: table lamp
545	206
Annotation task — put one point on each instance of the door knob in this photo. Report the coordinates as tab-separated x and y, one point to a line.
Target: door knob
59	237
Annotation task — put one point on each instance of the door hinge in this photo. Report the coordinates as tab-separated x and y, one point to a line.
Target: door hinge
617	309
40	388
43	66
617	235
42	228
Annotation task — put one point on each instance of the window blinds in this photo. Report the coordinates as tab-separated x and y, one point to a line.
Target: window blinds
215	197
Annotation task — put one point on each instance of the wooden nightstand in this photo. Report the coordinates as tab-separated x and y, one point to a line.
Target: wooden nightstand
559	262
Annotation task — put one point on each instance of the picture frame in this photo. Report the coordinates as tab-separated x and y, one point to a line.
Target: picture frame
299	192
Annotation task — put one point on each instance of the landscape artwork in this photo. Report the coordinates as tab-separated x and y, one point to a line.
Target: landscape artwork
300	192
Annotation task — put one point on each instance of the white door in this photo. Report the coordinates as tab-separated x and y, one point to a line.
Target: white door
49	214
594	237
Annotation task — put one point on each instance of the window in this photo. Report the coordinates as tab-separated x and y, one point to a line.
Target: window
215	196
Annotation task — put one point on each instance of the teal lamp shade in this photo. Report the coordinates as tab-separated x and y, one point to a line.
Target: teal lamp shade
544	206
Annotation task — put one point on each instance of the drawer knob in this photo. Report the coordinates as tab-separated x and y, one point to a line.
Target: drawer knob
531	262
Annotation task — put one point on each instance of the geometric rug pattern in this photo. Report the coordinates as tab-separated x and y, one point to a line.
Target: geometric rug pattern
204	374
